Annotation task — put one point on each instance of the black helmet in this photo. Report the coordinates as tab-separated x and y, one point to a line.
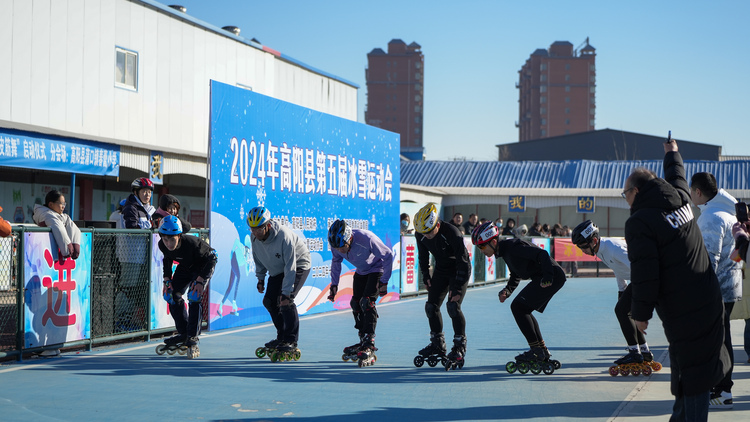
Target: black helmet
339	234
584	232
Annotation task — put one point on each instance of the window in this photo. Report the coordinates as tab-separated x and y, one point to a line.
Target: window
418	65
126	69
567	99
567	121
567	78
592	89
543	99
543	66
417	109
543	78
543	88
417	76
591	122
567	110
544	121
543	110
567	66
544	132
418	87
567	88
417	98
416	130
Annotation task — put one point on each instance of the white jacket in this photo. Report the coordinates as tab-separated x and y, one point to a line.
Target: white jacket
63	228
614	253
716	220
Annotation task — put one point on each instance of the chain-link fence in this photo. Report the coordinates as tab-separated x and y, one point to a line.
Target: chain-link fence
9	291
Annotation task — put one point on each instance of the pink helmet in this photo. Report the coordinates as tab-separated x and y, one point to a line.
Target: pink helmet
484	232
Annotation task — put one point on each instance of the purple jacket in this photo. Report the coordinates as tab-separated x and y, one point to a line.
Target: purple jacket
368	254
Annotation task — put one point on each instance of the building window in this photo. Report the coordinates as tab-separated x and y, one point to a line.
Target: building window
592	111
417	98
592	89
418	65
567	66
544	121
126	69
544	132
592	67
417	76
395	64
543	66
543	88
543	99
543	110
567	78
417	141
567	121
567	132
416	130
567	110
591	122
417	109
567	88
417	119
567	99
418	87
543	78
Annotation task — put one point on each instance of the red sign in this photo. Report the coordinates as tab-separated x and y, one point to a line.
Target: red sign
565	251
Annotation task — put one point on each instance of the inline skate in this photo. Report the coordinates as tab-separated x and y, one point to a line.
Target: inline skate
455	359
633	363
350	353
433	353
366	355
172	345
266	350
648	358
192	348
285	352
536	360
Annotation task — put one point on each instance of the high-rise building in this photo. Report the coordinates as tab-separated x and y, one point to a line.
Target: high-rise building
557	91
395	94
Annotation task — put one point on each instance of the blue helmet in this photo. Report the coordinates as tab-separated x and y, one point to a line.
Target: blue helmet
258	216
170	225
339	234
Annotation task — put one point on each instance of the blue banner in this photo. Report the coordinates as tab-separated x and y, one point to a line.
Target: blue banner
55	153
585	204
308	169
517	203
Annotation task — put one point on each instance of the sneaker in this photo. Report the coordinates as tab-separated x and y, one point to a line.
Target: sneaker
720	400
55	352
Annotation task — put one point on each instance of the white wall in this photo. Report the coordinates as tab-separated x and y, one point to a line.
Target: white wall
60	76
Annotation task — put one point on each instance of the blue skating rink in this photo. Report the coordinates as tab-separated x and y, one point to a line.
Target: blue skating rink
129	382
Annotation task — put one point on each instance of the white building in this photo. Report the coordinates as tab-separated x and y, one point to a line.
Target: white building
132	75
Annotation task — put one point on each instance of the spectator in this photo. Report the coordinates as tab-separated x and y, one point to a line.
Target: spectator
170	205
536	230
457	221
499	223
470	225
137	211
509	228
5	229
116	215
521	231
671	272
545	230
557	230
405	221
716	220
67	235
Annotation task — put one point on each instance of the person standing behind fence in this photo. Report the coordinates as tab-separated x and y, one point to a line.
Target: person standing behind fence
671	272
196	262
716	220
169	205
67	235
5	228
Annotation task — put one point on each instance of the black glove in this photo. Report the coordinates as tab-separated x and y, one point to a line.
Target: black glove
333	290
382	289
260	286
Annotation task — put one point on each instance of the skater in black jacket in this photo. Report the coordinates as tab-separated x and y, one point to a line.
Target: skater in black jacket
450	276
671	272
196	262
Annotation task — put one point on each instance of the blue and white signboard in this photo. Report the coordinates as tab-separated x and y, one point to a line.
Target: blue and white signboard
48	152
308	169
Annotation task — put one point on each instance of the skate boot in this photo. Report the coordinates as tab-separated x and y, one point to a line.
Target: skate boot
433	353
192	348
234	308
350	353
366	355
455	359
172	345
536	360
632	363
648	359
266	350
285	351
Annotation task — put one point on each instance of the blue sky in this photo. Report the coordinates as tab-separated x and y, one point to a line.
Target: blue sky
668	65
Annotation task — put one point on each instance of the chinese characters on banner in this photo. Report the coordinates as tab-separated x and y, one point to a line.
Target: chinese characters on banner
585	204
517	203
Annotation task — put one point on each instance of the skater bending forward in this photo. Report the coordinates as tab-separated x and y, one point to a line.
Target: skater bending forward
196	262
278	251
450	276
373	262
525	261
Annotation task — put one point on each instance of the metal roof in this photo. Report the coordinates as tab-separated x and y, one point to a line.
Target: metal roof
576	174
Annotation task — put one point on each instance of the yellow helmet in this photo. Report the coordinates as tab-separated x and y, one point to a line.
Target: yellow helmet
426	218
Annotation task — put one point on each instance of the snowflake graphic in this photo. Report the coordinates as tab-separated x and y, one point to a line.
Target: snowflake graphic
242	211
261	195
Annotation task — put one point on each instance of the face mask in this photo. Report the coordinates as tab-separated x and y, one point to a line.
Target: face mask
404	223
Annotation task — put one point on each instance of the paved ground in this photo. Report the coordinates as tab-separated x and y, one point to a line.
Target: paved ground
130	382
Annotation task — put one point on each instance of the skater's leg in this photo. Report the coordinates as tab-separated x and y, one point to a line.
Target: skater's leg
526	322
627	326
359	283
367	303
726	383
435	297
457	315
271	303
177	307
290	317
195	312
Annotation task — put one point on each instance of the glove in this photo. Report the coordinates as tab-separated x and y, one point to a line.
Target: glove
545	283
260	286
196	291
76	251
382	289
167	292
333	290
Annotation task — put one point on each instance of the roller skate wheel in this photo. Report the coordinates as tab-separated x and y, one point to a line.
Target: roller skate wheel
548	368
274	356
511	367
635	372
345	357
260	352
523	367
647	371
535	368
557	364
418	361
461	364
160	350
297	354
374	358
193	352
171	351
433	361
624	372
656	366
614	371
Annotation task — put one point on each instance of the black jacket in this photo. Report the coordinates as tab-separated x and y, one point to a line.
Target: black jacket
670	272
450	254
525	261
193	255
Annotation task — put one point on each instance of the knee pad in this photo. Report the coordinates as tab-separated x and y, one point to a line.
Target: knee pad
430	309
366	304
355	305
454	309
520	308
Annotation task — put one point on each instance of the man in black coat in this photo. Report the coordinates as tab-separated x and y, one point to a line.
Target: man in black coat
671	272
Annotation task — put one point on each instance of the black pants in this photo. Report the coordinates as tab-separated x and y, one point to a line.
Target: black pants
534	297
187	321
435	297
726	383
363	302
284	318
627	325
